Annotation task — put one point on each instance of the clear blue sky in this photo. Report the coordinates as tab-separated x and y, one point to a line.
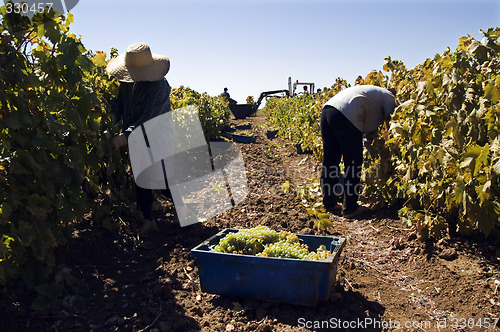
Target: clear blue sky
250	46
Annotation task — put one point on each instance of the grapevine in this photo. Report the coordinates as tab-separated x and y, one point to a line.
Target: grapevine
56	162
297	118
213	112
439	160
265	242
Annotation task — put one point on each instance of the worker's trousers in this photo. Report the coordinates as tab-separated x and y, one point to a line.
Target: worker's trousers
145	199
341	139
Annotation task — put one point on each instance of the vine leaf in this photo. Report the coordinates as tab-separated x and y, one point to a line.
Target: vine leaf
99	59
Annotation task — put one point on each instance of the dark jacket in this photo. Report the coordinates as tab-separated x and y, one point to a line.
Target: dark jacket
139	102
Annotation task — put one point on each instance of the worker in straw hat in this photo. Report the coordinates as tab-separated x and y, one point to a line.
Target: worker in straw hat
144	93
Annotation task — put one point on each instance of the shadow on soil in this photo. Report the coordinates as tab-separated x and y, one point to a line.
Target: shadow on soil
344	307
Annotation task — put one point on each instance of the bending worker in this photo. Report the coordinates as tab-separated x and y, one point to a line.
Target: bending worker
347	117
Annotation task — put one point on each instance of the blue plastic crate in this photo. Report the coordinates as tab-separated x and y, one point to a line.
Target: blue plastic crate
294	281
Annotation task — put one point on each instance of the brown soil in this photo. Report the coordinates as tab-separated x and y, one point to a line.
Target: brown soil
385	274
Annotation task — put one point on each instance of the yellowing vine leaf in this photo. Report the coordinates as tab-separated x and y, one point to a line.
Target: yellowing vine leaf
99	59
492	90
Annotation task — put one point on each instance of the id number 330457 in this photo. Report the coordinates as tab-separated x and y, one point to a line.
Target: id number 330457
466	323
24	8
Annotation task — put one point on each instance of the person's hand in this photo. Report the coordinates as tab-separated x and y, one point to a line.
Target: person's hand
118	141
367	142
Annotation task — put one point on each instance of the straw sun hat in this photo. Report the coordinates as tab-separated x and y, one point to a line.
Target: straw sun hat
138	64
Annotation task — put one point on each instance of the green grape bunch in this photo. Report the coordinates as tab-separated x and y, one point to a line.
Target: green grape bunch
247	241
265	242
285	249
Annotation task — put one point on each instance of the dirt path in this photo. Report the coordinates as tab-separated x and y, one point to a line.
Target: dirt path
385	276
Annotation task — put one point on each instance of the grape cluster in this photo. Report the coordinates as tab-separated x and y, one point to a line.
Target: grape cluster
263	241
285	249
247	241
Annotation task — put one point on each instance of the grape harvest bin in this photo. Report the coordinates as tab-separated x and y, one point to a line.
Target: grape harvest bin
293	281
241	111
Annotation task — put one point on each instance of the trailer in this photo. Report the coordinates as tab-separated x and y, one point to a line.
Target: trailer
241	111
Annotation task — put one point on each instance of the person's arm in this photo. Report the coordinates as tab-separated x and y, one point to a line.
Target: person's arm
389	106
117	104
117	107
387	122
368	140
